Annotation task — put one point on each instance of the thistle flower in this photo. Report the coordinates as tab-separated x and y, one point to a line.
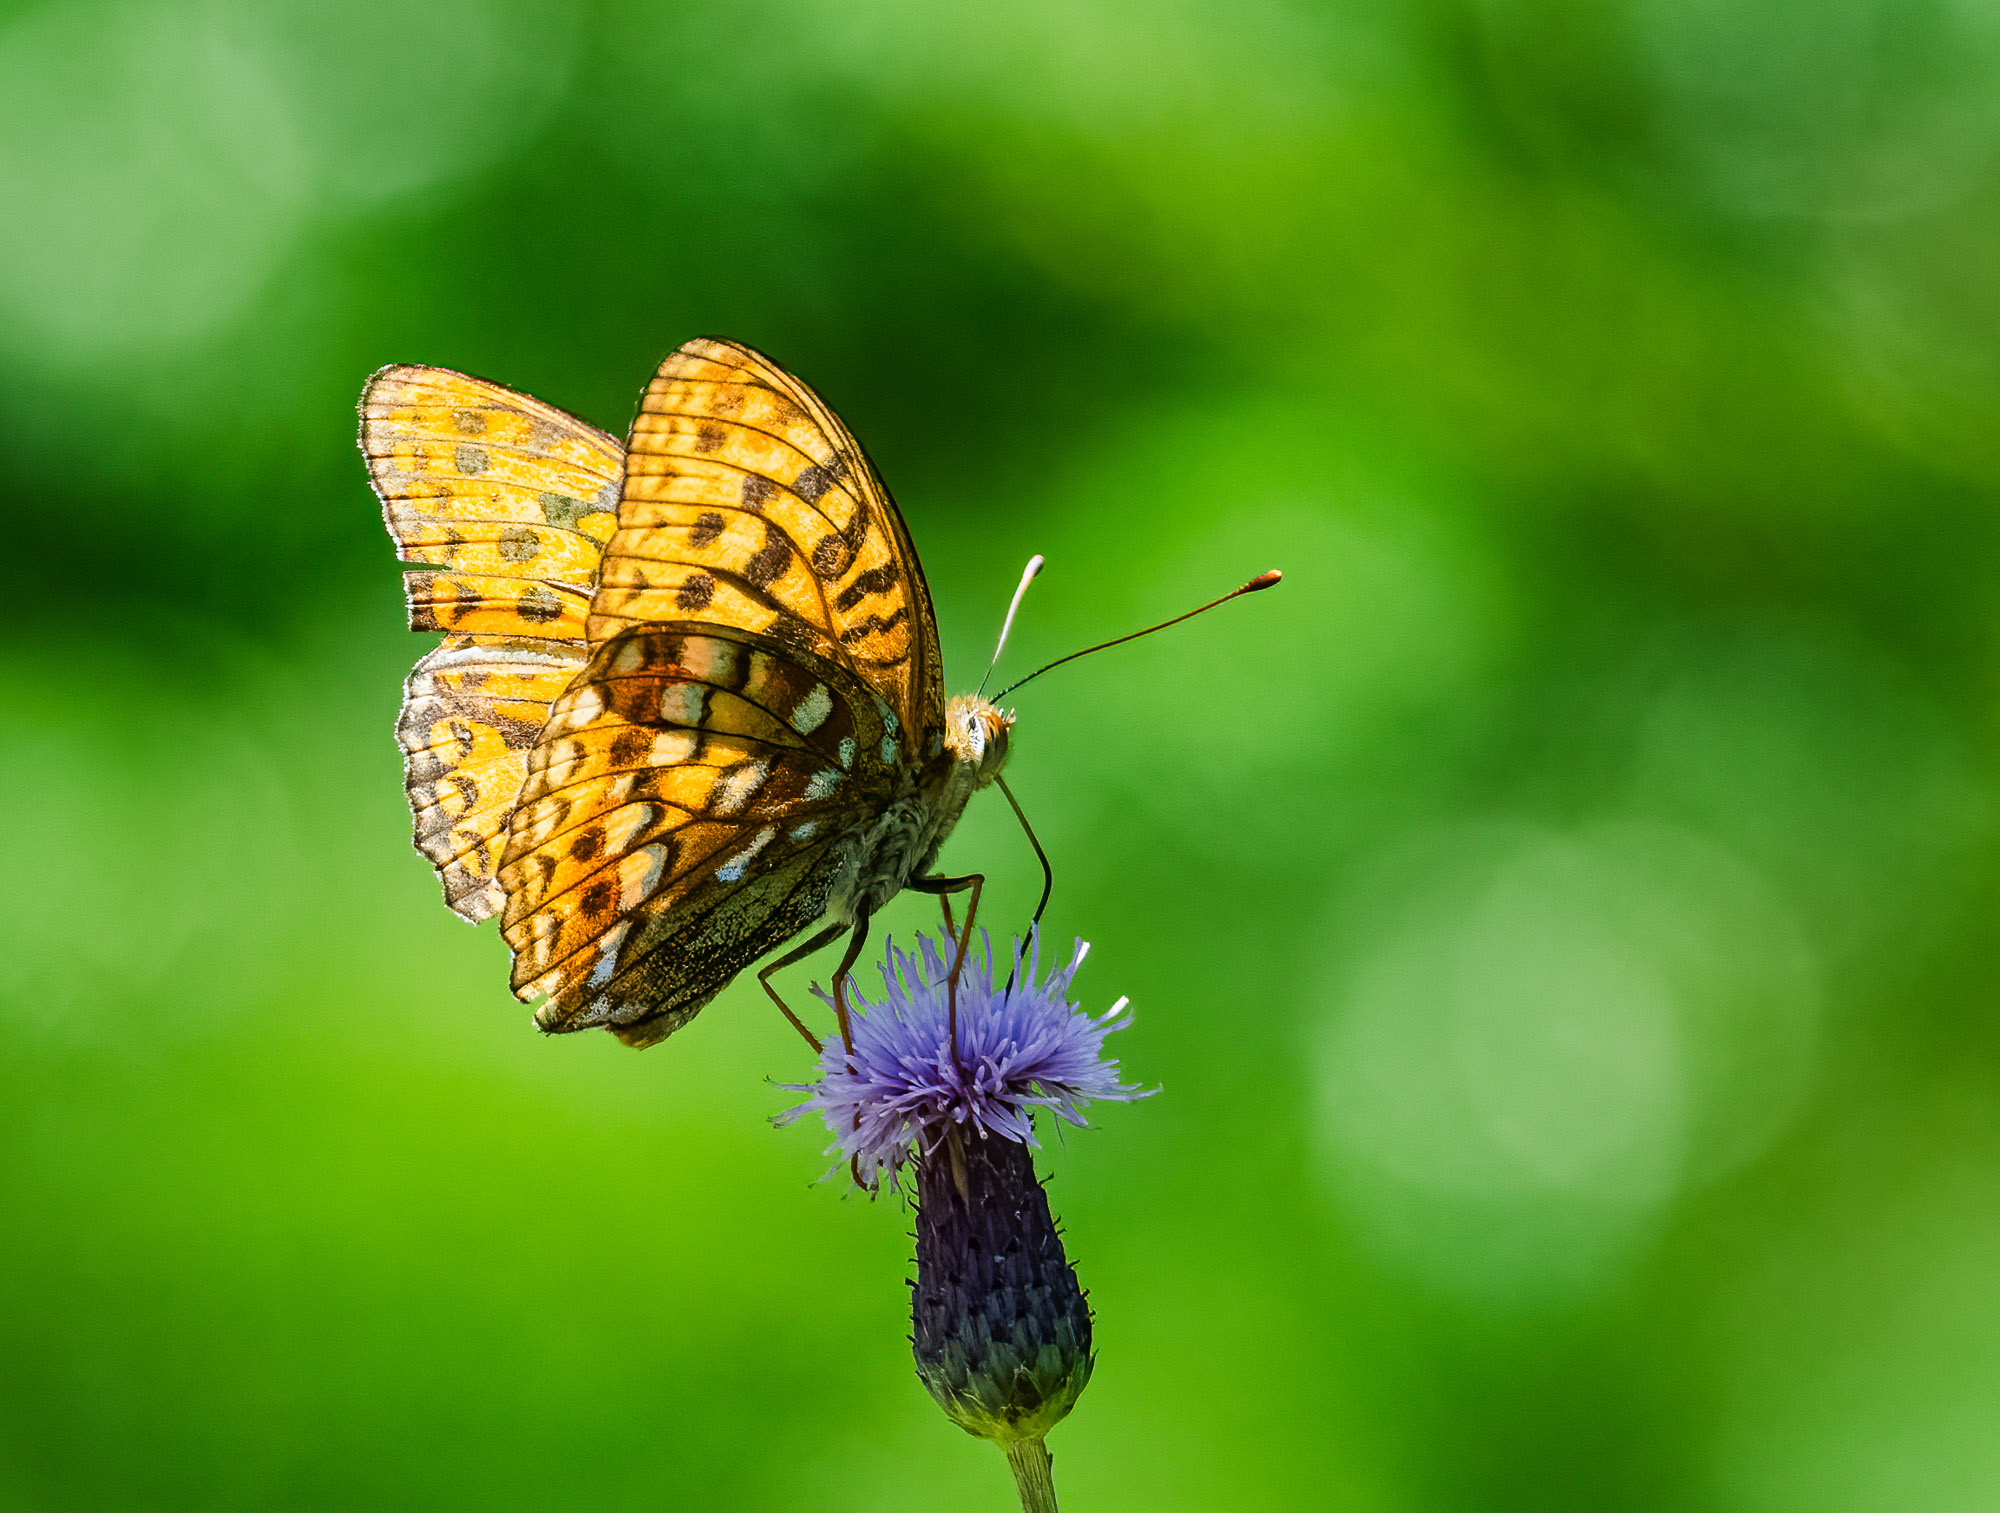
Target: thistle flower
1020	1048
999	1325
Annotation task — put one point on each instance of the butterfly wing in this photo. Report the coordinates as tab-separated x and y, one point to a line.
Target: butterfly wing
501	506
472	710
746	502
684	814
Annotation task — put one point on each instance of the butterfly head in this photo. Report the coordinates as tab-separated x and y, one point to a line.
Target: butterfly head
975	736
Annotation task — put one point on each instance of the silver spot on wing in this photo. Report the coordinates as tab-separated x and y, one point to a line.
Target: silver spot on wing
732	871
740	786
813	710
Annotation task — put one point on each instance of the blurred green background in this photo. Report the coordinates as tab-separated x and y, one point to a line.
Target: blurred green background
1561	918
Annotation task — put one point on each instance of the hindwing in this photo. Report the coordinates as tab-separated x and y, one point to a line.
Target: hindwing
472	711
682	815
746	502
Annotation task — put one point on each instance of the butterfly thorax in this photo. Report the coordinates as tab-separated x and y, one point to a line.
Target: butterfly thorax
903	841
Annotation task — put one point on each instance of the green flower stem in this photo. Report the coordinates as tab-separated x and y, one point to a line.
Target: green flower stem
1034	1474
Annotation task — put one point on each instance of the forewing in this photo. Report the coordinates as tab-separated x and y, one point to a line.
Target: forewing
680	817
503	504
746	502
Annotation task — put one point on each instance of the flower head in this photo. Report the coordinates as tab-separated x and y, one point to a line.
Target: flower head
903	1083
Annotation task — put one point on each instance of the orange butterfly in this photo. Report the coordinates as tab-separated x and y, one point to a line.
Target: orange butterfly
689	700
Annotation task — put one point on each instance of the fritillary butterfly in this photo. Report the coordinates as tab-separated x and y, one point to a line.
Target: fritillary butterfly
689	699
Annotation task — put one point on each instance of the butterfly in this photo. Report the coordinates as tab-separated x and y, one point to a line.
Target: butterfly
689	700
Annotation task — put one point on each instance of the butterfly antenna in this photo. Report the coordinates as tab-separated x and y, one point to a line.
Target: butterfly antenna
1261	581
1027	576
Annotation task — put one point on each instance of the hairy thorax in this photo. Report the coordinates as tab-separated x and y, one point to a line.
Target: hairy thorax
902	843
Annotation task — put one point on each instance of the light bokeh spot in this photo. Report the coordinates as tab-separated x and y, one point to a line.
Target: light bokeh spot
153	176
162	160
1541	1037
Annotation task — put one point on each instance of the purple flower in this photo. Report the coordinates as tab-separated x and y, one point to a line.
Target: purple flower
1020	1048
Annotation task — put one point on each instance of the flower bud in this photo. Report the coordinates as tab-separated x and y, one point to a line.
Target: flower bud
1000	1327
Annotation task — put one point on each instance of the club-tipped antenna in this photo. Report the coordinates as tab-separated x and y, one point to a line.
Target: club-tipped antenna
1261	581
1027	576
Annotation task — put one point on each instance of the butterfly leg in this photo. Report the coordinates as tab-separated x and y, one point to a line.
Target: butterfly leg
1048	872
944	886
825	937
840	975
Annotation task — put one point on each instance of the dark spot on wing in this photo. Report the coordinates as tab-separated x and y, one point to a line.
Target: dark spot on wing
598	898
636	701
554	812
587	845
835	554
470	459
468	422
518	543
706	528
696	592
538	604
815	479
708	437
560	509
832	557
757	491
877	580
631	747
770	560
423	607
873	625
